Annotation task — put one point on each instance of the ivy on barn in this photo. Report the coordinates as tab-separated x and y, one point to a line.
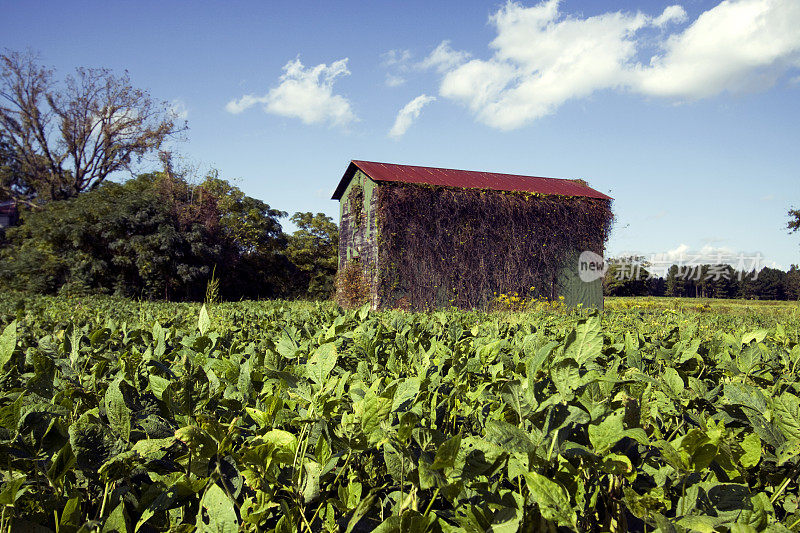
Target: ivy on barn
445	246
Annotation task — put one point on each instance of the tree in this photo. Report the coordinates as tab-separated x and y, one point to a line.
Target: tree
9	168
676	282
770	284
249	224
793	283
64	139
794	220
723	281
154	236
314	249
627	276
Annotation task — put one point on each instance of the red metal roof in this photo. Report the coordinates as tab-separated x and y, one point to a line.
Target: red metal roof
466	179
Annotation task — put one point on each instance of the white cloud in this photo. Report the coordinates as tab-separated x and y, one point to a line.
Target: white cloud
396	57
737	46
671	14
393	80
304	93
409	114
543	58
243	103
443	58
676	253
711	251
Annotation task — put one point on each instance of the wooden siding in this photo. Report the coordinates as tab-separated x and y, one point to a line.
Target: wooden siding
358	241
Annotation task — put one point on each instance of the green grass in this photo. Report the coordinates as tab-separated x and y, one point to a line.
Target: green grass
778	309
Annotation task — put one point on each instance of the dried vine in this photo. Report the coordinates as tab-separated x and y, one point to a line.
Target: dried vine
356	199
352	289
442	246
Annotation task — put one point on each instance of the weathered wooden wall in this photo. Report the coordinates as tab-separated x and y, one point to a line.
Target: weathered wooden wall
358	235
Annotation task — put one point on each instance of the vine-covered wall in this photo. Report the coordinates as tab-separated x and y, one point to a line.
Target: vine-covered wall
442	246
357	279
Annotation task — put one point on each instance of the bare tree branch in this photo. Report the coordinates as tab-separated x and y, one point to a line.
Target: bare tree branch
64	139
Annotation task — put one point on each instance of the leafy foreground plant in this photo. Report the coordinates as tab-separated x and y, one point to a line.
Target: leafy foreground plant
117	416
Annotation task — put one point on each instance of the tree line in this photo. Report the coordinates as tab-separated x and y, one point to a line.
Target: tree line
633	277
156	235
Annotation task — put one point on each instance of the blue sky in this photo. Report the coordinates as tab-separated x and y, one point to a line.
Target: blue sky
686	113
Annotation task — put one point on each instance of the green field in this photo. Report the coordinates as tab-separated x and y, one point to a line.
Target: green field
779	309
657	414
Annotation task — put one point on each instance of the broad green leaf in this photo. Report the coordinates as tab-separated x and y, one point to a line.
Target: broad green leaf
645	505
410	521
93	444
376	410
197	440
758	516
751	445
321	364
406	391
286	347
758	335
158	385
119	416
701	524
745	395
536	360
552	499
769	432
616	464
310	489
203	320
509	437
10	414
507	519
285	443
566	376
12	490
62	463
787	414
673	381
71	516
263	419
446	453
361	509
8	343
787	451
322	451
216	512
117	521
153	448
607	433
585	343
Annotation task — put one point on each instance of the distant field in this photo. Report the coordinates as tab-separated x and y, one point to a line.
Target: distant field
621	303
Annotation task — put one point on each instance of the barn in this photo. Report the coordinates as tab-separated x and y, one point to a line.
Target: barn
419	238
